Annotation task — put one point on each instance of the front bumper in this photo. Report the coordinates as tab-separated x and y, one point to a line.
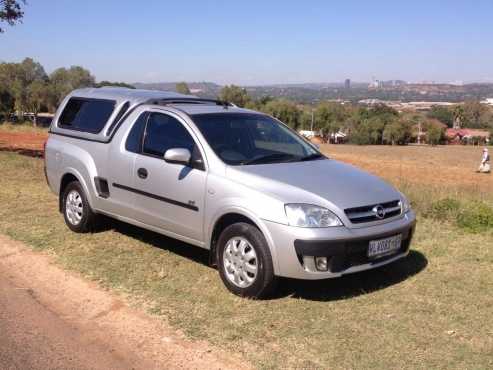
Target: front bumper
345	248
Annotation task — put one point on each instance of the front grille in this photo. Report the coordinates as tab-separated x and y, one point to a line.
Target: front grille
370	213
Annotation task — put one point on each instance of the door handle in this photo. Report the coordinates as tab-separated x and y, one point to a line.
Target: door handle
142	173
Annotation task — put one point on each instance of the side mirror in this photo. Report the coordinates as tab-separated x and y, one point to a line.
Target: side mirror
178	156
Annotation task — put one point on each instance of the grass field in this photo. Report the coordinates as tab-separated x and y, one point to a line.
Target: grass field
430	310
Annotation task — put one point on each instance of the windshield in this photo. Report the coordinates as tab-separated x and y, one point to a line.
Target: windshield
242	139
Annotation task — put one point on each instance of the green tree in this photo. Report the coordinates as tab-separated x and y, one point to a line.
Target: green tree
11	12
383	111
258	104
182	88
234	94
17	77
458	115
116	84
361	133
6	104
330	116
443	114
398	132
476	115
367	125
285	111
65	80
306	118
435	134
37	96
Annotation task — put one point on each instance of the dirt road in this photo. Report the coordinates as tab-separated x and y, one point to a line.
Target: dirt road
28	143
51	319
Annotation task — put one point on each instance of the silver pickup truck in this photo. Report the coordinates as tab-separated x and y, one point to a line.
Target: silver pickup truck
263	200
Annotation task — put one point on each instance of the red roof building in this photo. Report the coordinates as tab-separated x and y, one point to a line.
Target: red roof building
467	135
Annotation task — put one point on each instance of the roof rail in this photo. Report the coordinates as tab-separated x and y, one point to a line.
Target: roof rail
171	101
166	101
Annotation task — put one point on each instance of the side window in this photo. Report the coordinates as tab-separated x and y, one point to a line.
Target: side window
134	139
164	132
88	115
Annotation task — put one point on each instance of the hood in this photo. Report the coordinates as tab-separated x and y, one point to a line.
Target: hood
319	182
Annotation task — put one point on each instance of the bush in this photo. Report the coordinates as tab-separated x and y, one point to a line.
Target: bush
476	217
444	209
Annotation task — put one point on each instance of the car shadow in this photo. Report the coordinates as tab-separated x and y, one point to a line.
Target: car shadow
345	287
353	285
157	240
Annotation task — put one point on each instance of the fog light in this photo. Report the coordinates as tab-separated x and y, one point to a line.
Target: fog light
321	263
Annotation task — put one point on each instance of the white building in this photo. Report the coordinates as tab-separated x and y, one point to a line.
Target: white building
309	134
487	101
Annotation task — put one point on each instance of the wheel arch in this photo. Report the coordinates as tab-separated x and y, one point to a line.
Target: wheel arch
232	216
69	176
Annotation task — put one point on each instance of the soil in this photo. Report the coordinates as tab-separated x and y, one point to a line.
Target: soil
28	143
51	318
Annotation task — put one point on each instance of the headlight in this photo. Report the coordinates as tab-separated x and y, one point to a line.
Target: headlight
405	205
307	215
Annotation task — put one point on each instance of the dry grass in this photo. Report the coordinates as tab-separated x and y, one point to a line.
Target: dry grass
430	310
451	168
26	127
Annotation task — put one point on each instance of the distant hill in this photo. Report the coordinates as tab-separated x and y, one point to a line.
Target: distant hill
203	89
317	92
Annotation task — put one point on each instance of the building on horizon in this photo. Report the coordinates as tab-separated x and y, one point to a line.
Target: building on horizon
347	84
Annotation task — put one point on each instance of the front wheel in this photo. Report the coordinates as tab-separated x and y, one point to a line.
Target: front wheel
245	262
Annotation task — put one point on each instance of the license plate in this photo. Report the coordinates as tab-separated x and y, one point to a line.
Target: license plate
382	247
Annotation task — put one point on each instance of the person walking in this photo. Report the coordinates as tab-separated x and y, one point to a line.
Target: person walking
484	167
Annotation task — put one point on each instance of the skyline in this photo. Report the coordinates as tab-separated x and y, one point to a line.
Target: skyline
258	44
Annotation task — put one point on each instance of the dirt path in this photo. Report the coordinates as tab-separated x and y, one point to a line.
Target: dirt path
50	318
27	143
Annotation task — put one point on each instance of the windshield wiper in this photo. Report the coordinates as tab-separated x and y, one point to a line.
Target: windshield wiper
268	158
313	156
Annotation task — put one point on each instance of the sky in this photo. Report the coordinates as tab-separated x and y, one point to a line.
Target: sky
259	42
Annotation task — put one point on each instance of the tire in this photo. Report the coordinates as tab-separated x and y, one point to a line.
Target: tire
77	212
245	262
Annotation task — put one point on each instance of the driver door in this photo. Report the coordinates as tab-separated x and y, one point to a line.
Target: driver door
169	196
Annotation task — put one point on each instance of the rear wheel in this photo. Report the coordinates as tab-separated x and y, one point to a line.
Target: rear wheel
244	261
77	213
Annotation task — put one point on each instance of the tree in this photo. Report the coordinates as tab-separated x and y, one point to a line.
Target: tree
117	84
6	104
17	77
65	80
234	94
458	116
285	111
398	132
11	12
367	125
434	132
384	111
476	115
182	88
330	117
37	96
306	118
443	114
